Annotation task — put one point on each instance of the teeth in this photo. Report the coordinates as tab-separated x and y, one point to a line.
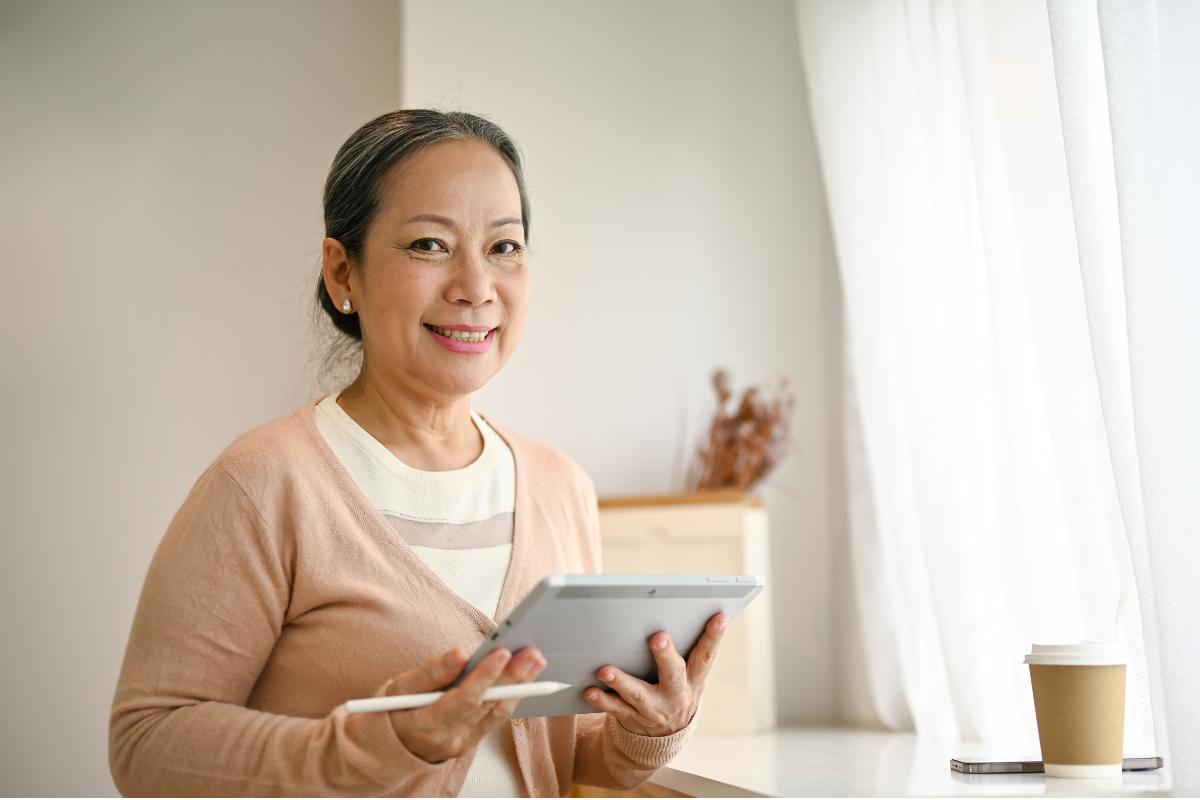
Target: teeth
461	336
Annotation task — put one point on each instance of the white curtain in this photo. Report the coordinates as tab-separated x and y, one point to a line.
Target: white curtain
984	512
1129	88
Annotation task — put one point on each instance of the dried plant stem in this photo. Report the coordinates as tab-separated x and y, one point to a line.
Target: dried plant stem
745	446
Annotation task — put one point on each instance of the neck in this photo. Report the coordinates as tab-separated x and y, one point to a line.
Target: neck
424	433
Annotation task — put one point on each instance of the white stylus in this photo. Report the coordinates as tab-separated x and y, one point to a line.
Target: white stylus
402	701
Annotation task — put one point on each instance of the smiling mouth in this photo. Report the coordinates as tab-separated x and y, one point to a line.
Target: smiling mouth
461	336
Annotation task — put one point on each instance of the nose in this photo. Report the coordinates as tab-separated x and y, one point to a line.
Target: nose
472	282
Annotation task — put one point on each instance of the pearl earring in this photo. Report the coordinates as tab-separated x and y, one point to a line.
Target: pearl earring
346	305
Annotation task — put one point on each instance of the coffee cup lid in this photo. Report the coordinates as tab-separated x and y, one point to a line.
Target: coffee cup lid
1084	654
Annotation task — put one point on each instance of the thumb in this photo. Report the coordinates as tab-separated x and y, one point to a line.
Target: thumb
431	676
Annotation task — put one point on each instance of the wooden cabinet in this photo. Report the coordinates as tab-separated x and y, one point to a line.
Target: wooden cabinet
721	532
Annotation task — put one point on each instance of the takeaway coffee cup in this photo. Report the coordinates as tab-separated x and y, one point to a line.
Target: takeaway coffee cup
1079	698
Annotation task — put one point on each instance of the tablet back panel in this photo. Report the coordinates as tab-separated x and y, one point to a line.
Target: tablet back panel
582	622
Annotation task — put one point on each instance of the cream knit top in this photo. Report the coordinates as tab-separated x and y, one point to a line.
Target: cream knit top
460	522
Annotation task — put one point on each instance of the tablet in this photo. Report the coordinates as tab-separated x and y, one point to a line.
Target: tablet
582	622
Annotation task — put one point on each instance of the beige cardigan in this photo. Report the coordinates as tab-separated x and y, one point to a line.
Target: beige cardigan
279	591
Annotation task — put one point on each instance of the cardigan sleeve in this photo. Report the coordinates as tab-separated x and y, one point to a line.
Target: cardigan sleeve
607	754
211	608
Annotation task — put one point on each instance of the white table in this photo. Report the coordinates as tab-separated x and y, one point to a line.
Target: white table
803	762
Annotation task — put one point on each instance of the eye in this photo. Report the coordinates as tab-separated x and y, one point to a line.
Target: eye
516	248
417	245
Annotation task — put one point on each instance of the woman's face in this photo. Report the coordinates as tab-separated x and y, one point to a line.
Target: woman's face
446	249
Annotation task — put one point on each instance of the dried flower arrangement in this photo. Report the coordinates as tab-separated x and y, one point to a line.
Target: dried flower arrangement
743	447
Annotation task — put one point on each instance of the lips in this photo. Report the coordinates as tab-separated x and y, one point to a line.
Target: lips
462	328
460	345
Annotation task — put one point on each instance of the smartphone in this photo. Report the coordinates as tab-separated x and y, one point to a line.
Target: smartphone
981	766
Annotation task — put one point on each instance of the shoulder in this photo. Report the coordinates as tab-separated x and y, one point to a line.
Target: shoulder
546	465
250	491
272	453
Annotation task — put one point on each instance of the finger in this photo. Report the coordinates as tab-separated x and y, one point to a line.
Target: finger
515	669
464	703
702	656
613	704
432	675
449	721
672	669
485	675
525	665
634	691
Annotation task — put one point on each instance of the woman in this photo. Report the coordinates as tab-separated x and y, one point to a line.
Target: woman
366	544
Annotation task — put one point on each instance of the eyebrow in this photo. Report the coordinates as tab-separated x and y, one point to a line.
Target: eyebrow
450	223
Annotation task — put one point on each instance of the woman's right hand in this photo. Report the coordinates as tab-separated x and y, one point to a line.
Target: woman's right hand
461	718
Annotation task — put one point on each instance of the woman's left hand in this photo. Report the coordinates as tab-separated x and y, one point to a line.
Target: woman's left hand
666	707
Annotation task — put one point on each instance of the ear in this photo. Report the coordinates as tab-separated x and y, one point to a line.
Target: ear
337	270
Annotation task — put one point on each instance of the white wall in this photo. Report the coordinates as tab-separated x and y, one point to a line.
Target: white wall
162	166
679	224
